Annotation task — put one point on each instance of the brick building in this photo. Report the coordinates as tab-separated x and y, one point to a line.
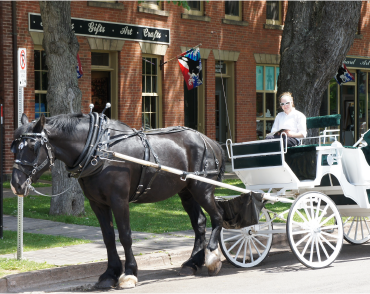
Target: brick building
240	57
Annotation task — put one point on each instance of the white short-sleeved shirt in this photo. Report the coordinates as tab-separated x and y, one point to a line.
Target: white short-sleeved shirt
295	121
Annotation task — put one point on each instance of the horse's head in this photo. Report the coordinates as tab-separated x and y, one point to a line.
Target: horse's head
34	155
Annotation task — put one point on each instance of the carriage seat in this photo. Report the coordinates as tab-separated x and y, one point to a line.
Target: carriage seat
302	158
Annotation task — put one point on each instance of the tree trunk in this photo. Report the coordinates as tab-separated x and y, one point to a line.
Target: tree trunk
63	96
316	38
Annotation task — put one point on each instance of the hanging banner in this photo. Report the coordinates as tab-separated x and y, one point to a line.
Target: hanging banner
110	30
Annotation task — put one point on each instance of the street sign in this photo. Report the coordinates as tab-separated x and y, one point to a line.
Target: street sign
22	67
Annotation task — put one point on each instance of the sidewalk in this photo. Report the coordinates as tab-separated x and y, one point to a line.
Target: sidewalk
89	260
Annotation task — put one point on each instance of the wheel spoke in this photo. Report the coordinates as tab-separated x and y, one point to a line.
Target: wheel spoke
245	252
348	218
304	238
323	247
240	247
318	208
323	213
250	249
330	235
327	242
362	229
311	253
300	232
356	228
327	219
350	228
305	247
318	250
367	225
236	243
258	241
232	238
307	214
301	215
254	245
330	227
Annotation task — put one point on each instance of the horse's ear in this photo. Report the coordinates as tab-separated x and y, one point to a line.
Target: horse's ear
40	124
24	119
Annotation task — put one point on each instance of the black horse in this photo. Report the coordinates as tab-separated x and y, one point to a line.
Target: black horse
111	185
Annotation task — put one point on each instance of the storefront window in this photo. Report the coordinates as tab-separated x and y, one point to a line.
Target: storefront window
41	83
149	93
266	101
333	98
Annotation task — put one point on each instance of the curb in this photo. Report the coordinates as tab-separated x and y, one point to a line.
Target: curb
22	281
41	278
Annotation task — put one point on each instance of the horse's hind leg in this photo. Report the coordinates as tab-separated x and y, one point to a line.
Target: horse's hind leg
110	277
198	222
204	194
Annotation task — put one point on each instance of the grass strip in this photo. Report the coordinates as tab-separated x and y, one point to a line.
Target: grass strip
9	266
31	242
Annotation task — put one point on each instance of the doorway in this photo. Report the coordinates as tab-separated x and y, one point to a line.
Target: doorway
191	107
100	91
348	98
221	119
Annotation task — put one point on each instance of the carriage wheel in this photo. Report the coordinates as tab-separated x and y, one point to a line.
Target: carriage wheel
356	229
247	247
315	230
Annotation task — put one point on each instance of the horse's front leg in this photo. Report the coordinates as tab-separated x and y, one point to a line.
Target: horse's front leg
110	277
121	213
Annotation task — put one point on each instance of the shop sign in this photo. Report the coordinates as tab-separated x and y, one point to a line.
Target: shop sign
110	30
357	62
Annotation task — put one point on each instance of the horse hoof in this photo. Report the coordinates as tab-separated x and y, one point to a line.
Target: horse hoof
215	270
213	261
126	282
187	271
104	284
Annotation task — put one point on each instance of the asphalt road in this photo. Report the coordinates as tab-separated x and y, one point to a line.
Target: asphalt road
279	273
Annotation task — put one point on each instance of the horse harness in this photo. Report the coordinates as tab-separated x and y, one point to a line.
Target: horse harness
40	140
95	152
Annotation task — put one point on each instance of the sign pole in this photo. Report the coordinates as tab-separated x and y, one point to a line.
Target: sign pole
1	175
22	82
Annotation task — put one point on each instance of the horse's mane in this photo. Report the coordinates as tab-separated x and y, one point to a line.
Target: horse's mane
65	122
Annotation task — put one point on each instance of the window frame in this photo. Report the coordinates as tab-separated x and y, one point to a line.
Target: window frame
273	21
39	92
199	12
263	118
234	17
157	94
151	5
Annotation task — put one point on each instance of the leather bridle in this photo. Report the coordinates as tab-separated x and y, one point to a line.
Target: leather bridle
40	140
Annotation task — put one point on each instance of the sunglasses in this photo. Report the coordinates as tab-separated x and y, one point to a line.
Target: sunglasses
286	103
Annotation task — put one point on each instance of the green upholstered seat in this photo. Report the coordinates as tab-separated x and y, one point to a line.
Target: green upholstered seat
323	121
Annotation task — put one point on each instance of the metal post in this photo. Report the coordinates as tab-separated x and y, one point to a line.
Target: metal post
20	229
1	175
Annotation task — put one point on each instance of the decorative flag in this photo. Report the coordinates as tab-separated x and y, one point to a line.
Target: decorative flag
191	67
79	67
343	75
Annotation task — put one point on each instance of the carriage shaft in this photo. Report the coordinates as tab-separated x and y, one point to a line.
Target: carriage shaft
192	176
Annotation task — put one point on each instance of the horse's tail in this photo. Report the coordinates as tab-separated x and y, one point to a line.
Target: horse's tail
223	164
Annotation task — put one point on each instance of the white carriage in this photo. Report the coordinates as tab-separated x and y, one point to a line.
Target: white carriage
328	186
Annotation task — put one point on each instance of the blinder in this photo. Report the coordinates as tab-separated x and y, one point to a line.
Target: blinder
40	140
